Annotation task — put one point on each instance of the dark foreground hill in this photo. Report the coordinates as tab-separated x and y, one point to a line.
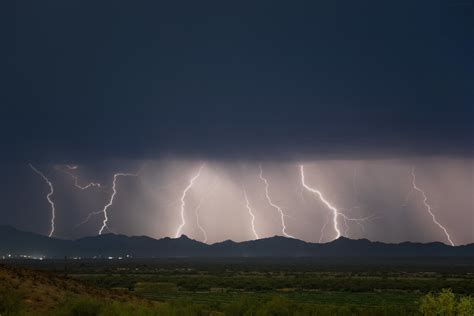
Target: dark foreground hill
16	242
32	292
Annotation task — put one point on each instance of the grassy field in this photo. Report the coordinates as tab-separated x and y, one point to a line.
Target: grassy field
230	288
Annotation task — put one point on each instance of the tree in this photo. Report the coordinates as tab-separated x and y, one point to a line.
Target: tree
465	306
428	305
446	303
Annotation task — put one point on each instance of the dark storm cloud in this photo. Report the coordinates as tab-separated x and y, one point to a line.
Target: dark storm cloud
88	80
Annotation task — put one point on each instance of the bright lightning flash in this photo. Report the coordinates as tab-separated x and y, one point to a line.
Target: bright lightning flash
76	179
428	207
252	222
48	197
279	209
112	197
335	212
183	203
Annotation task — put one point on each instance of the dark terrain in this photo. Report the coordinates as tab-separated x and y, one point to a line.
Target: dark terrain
15	242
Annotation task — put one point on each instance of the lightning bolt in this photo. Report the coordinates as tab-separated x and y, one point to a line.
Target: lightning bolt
112	198
198	223
196	213
334	210
76	179
252	216
89	216
324	228
428	207
48	197
279	209
183	197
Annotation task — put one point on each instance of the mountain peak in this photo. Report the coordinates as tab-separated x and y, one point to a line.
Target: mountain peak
16	242
183	237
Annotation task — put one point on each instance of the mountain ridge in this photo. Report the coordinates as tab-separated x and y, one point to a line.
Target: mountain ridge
16	242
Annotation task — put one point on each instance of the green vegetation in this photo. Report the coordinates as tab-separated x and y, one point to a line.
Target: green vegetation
237	289
10	303
446	304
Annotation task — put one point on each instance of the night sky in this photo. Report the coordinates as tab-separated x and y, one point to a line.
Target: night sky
360	92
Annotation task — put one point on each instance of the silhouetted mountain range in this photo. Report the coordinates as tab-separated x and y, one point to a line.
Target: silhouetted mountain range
16	242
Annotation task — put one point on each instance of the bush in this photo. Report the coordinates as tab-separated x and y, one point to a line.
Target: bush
465	306
445	304
83	306
10	303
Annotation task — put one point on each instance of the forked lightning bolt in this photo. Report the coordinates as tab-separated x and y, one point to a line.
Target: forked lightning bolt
183	203
48	197
112	197
252	216
428	207
279	209
89	216
76	179
335	212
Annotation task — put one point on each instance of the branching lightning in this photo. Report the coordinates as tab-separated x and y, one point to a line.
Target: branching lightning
320	195
249	208
183	203
335	212
112	197
279	209
48	197
428	207
89	216
76	179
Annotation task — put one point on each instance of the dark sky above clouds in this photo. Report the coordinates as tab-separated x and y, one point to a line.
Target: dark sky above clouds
358	91
83	80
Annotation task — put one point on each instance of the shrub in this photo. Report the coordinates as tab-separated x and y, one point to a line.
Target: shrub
82	306
445	304
10	303
465	306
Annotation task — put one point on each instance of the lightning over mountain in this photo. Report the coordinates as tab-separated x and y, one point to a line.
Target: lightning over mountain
48	197
335	212
428	207
112	197
252	216
278	208
183	203
323	228
198	223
